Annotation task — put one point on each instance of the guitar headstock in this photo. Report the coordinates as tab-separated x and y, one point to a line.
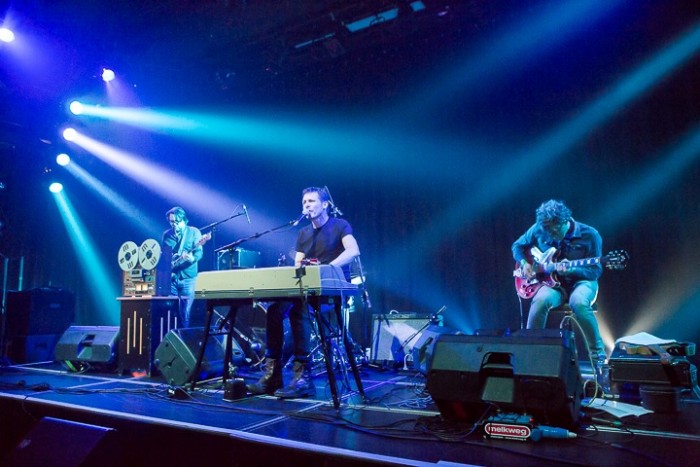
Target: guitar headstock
615	259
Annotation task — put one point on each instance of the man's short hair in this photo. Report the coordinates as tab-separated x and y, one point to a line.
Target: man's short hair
322	193
179	214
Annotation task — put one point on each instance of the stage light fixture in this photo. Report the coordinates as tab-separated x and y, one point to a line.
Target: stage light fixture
55	187
107	75
372	20
76	107
6	35
63	159
69	134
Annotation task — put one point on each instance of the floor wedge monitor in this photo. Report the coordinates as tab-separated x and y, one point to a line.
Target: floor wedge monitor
176	356
533	372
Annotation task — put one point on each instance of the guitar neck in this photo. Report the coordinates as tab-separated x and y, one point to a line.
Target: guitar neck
551	267
581	262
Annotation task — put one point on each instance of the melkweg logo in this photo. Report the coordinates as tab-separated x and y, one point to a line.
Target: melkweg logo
505	430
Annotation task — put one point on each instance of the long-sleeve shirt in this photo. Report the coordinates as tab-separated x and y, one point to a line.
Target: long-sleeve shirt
583	241
171	246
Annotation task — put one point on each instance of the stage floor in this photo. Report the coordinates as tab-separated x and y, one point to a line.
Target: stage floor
398	424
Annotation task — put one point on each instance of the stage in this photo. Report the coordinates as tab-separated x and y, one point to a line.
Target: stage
142	421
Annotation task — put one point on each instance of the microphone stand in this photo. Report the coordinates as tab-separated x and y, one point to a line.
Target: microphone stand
335	212
434	319
213	226
234	244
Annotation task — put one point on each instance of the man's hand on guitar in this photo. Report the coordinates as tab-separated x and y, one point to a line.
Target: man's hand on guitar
526	270
187	257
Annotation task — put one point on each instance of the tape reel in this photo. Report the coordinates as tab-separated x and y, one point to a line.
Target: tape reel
128	256
149	254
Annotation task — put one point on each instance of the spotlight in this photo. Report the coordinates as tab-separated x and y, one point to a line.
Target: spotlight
107	75
63	159
55	187
6	35
69	134
76	107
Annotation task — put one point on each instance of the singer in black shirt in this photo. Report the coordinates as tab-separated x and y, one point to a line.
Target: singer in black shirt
325	240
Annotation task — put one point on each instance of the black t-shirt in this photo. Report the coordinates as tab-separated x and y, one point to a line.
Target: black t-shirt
326	242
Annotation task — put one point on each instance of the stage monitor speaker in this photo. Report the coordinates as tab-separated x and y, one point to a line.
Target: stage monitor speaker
532	372
176	356
88	344
57	442
394	335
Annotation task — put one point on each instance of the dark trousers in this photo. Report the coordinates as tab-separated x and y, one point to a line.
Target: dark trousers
299	320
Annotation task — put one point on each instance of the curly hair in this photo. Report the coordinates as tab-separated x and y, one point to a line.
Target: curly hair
552	212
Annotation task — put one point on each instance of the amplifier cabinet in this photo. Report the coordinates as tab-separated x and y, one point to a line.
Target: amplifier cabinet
643	369
144	322
395	335
34	322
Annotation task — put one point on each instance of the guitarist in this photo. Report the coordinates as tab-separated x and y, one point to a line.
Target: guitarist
554	227
183	244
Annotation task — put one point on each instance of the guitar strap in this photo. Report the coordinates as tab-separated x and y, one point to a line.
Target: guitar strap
176	275
182	242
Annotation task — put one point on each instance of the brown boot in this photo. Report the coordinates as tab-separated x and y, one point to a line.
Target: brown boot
270	381
301	384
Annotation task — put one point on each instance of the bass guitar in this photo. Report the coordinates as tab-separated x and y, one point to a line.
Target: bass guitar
544	270
178	260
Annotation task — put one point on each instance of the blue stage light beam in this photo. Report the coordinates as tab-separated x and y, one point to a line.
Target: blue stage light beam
168	184
380	148
132	213
104	289
652	182
487	191
666	305
536	34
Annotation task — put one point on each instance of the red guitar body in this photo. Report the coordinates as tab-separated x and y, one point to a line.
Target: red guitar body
545	270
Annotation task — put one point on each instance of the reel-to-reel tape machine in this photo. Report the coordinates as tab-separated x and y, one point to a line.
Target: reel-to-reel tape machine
138	264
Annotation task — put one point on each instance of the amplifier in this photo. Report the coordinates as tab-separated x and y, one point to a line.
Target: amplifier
395	335
238	259
648	369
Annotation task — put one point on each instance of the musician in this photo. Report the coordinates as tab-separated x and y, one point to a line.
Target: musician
184	244
330	241
554	227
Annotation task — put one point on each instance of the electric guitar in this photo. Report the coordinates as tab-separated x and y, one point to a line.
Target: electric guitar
178	260
545	270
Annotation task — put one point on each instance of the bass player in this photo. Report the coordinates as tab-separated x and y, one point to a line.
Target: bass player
183	244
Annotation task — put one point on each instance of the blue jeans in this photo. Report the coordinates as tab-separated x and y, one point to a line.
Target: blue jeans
581	299
184	289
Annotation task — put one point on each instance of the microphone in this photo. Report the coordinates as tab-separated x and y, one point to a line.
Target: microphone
296	221
551	432
245	209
